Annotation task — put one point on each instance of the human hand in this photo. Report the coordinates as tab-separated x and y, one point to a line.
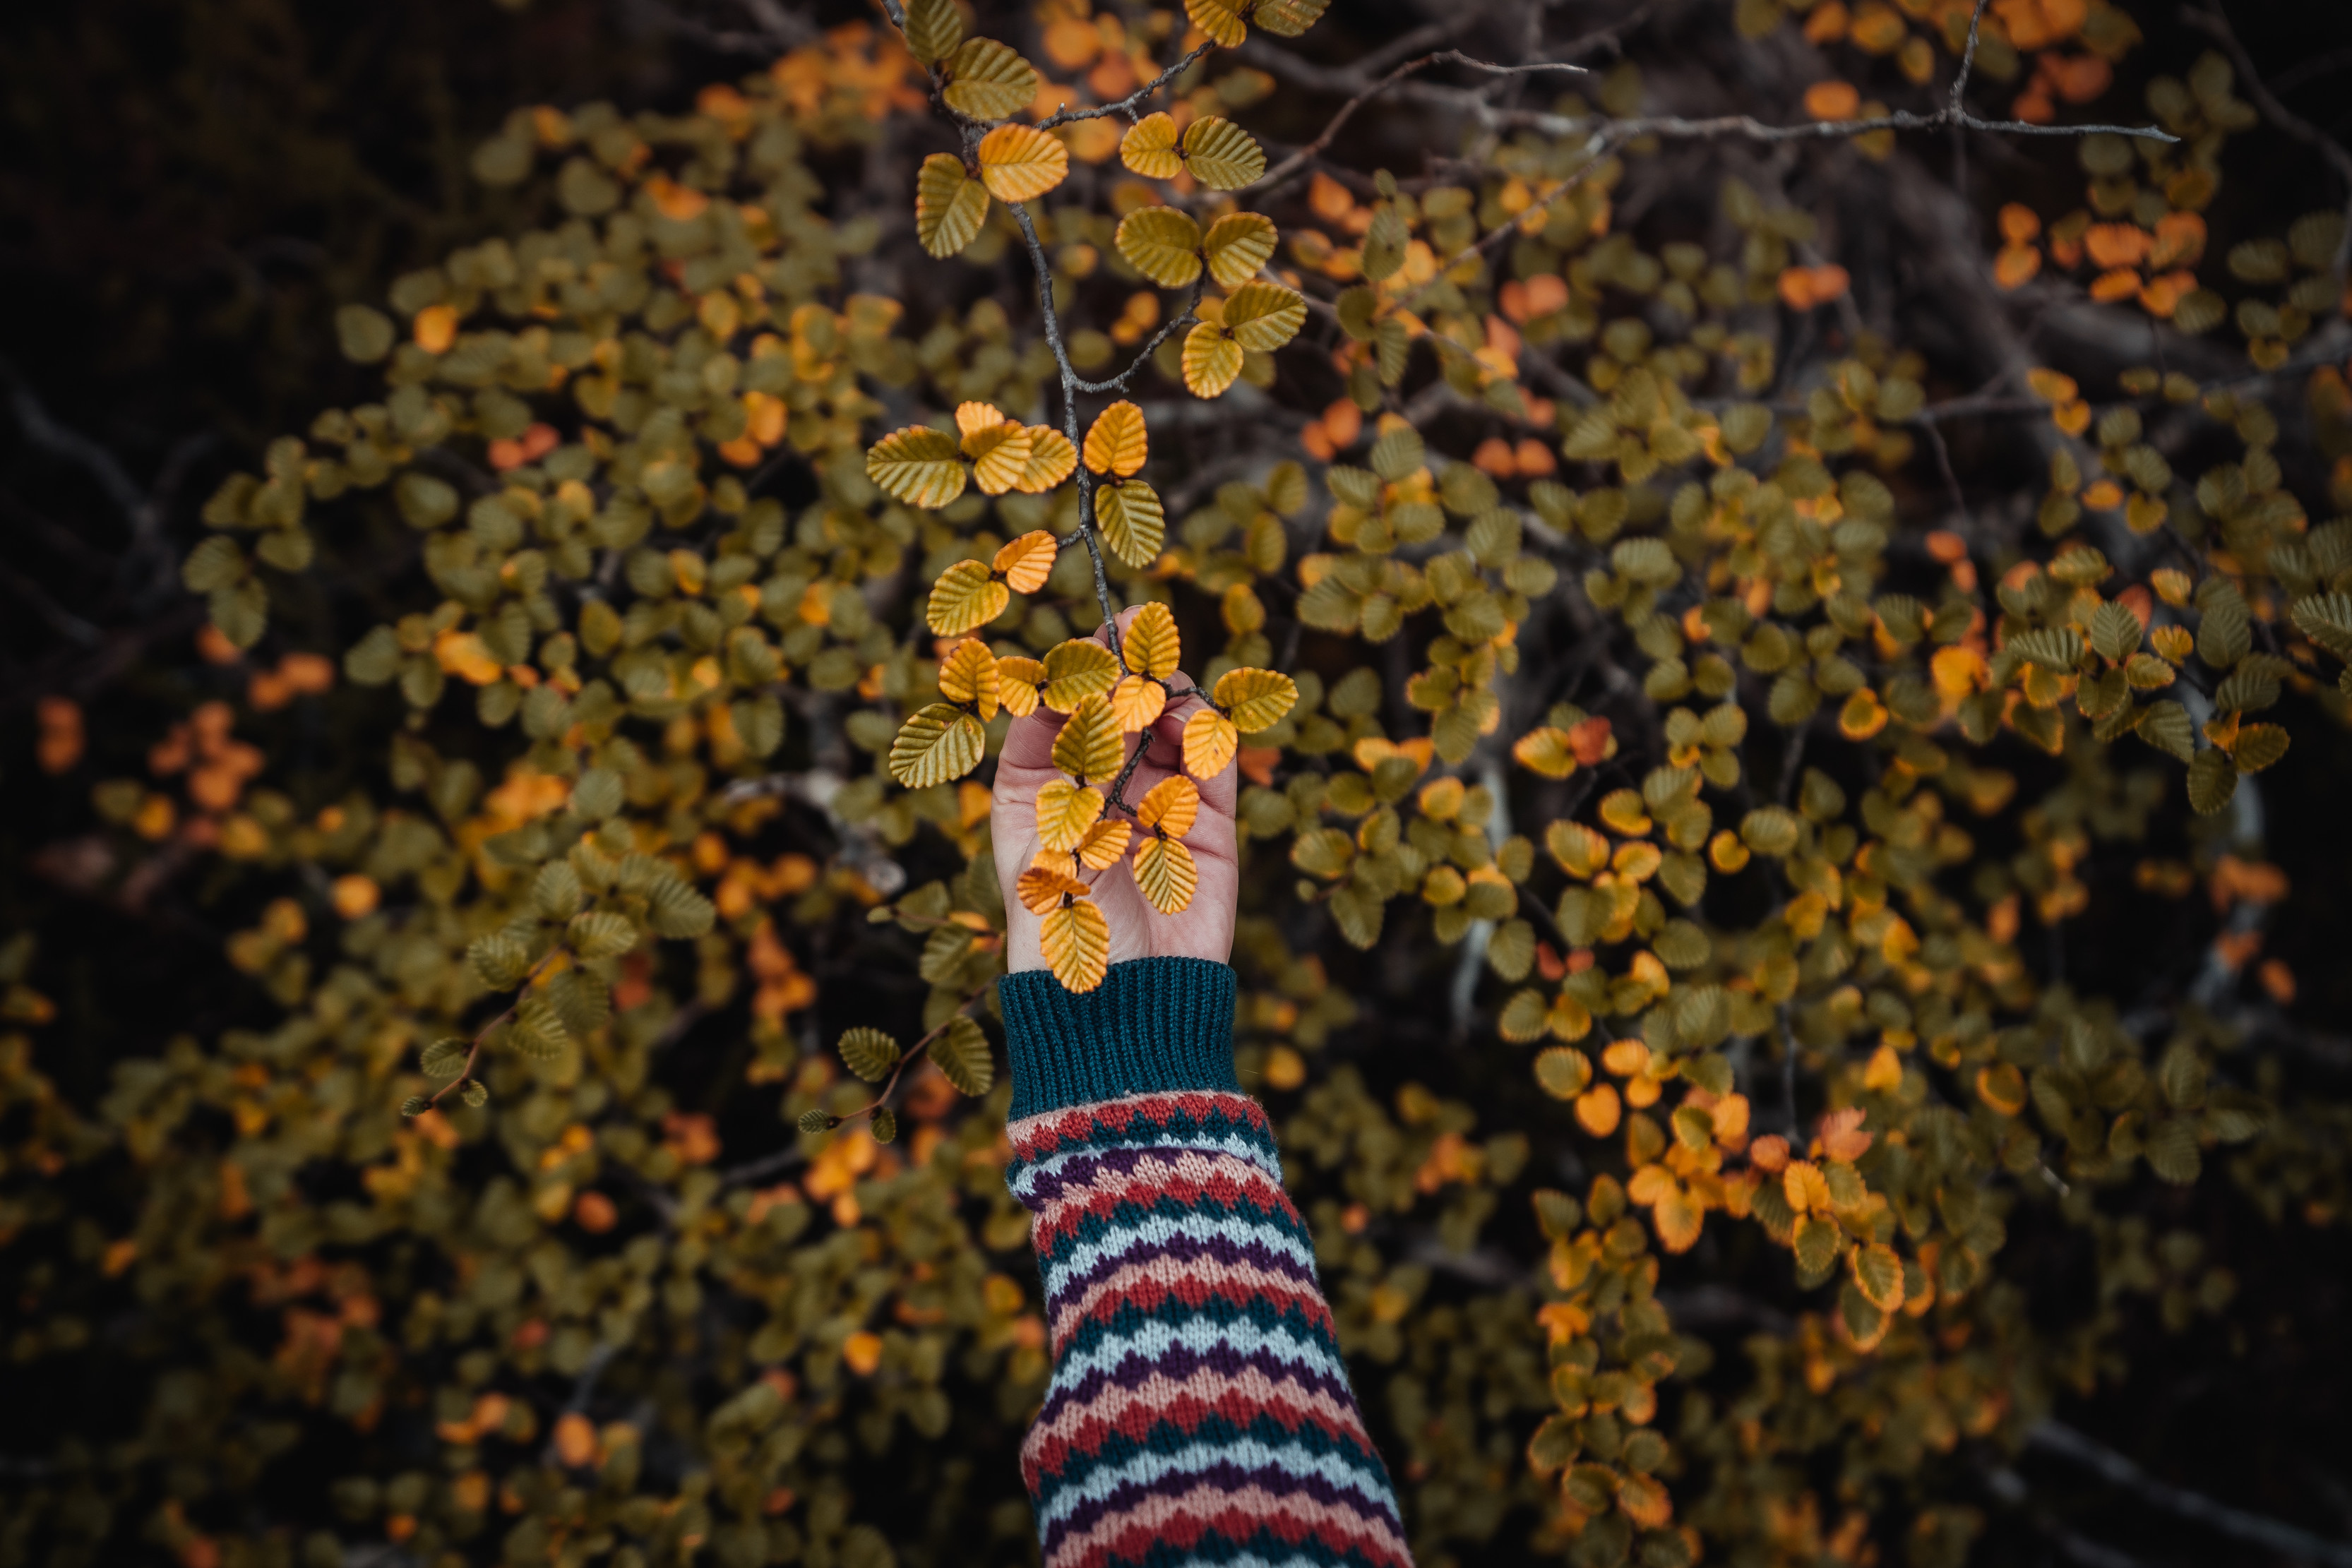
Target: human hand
1204	928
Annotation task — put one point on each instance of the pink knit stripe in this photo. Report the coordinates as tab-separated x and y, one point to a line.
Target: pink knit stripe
1192	1280
1160	1400
1181	1519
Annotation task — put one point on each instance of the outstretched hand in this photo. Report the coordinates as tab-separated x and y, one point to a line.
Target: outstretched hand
1205	928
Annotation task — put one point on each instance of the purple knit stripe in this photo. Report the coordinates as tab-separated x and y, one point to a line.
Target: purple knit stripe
1225	1477
1179	1364
1063	1283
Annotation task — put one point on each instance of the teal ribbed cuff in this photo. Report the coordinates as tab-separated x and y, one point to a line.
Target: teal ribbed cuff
1152	1026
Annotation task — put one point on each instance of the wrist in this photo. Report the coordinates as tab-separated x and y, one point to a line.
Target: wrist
1153	1026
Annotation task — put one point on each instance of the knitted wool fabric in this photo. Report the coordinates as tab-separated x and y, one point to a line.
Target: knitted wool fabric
1198	1412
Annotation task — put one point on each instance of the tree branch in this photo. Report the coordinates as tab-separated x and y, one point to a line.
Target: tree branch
2292	1540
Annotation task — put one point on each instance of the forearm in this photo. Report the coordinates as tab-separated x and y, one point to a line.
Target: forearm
1198	1406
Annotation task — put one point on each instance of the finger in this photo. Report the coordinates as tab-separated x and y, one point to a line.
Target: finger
1029	744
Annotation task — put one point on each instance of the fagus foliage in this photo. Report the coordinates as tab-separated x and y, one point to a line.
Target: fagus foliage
1600	629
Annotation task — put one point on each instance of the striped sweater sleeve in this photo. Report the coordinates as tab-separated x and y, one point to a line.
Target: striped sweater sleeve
1198	1412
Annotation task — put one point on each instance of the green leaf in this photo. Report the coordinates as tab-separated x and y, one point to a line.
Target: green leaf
2165	726
869	1052
962	1050
2326	620
2051	647
815	1122
886	1125
2115	631
598	793
476	1094
2213	781
499	960
934	27
445	1058
601	934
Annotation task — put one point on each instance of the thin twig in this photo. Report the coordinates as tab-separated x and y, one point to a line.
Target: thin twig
2215	26
474	1053
2279	1536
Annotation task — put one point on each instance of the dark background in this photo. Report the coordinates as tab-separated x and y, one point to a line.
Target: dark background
187	191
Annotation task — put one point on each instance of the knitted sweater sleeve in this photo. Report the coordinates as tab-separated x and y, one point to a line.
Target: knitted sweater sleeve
1198	1412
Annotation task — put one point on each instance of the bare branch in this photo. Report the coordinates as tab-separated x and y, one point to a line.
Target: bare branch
2288	1539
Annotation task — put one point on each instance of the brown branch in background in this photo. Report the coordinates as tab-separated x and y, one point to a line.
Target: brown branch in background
2215	26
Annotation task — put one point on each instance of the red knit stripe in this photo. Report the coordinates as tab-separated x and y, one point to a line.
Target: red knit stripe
1183	1519
1035	1136
1193	1281
1187	1176
1078	1432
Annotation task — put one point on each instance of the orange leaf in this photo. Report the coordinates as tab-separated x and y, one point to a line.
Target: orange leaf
1166	875
2018	223
1137	702
1065	812
1026	561
1842	1135
1118	442
1171	807
1210	742
1042	889
1076	940
1018	682
1020	162
1833	100
1103	845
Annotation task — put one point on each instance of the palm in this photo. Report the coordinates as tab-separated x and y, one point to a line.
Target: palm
1203	929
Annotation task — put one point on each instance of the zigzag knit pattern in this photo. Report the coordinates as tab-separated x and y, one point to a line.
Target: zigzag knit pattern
1198	1412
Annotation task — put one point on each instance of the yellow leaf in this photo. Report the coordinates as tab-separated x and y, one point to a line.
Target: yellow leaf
1075	939
1052	459
965	597
1162	243
1148	148
1027	561
1165	874
1212	361
1132	521
1258	699
1138	703
1117	442
968	675
1546	751
1018	682
950	207
1042	889
1065	812
1219	20
999	452
987	80
1020	163
1090	746
1679	1219
1104	844
1151	644
1076	670
1171	807
1236	245
1221	154
1210	742
916	465
936	745
1262	317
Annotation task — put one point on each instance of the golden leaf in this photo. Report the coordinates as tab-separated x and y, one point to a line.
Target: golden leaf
1090	746
1118	442
987	80
1052	459
965	597
1262	317
968	675
1151	645
1076	670
1579	850
1076	943
950	205
1042	889
916	465
998	453
1165	874
1288	18
1210	742
1020	163
1148	148
1104	844
1258	699
1027	561
1219	20
1138	703
1132	521
1162	243
1221	154
933	28
1212	361
936	745
1065	812
1236	245
1547	751
1171	807
971	418
1679	1219
1018	682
